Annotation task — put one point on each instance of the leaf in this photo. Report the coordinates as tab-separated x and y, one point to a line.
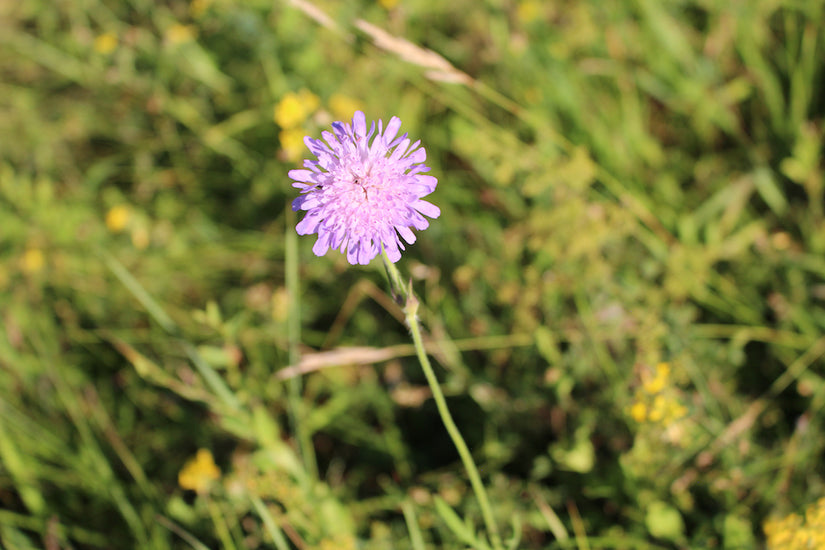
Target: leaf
737	533
769	191
664	521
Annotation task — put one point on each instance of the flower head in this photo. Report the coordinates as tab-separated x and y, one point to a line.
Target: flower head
294	108
199	472
364	190
117	218
33	260
106	43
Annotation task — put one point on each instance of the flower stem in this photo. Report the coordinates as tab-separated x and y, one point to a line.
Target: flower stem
411	313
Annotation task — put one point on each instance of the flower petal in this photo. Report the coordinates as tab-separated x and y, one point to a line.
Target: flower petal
429	182
406	233
309	224
302	175
321	245
418	156
365	252
392	129
352	253
359	123
393	253
297	202
426	208
418	221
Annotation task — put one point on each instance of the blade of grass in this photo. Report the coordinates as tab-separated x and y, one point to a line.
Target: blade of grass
140	294
212	378
416	537
182	533
553	522
269	523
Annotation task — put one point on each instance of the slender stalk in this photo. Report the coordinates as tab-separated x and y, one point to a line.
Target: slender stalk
416	538
411	313
269	523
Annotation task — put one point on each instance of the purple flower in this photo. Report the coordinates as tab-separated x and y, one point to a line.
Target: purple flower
363	191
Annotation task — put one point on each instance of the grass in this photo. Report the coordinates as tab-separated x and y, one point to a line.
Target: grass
623	296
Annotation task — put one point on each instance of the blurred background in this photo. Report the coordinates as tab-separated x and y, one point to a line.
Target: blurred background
623	295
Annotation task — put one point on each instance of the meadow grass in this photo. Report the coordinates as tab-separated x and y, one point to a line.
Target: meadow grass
622	298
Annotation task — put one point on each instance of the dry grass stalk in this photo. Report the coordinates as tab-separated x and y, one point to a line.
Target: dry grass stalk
439	68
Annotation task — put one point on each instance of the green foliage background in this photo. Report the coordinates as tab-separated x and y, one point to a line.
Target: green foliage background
621	184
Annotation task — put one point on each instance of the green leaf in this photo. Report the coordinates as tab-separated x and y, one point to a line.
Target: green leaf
737	533
768	189
664	521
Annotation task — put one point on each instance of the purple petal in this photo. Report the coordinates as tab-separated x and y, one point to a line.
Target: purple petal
309	224
405	232
393	253
316	146
352	253
365	252
400	150
339	241
392	129
307	176
426	208
359	123
418	156
330	138
321	245
297	202
418	221
396	141
429	182
310	201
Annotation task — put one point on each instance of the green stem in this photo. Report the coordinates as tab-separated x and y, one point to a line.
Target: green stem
411	312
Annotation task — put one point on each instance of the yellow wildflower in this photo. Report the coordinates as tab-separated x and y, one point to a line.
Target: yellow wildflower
292	143
793	532
294	108
199	472
388	4
343	106
677	410
105	43
656	401
117	218
178	34
815	515
658	409
33	260
658	382
529	11
638	411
